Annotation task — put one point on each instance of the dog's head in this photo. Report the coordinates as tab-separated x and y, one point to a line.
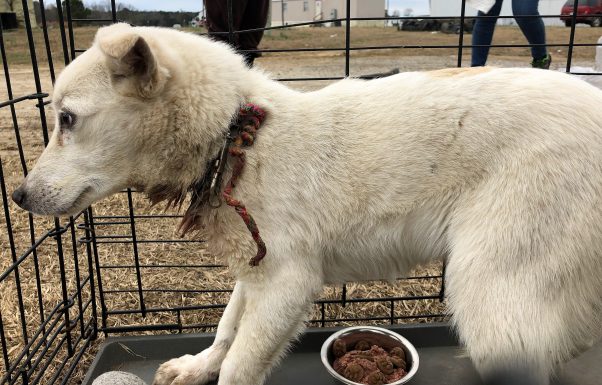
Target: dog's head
130	113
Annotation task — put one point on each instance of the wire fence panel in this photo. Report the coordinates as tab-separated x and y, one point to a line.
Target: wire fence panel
48	303
119	267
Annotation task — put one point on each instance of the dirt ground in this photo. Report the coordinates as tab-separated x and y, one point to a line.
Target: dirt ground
122	280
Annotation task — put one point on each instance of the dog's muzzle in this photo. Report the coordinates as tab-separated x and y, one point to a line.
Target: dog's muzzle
19	196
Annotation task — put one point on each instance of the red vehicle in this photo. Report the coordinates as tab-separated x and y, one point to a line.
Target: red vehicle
588	12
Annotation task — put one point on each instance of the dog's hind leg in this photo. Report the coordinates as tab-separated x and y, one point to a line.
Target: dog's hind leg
507	332
275	310
204	367
524	272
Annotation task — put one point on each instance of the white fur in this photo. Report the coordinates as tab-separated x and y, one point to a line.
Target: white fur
500	170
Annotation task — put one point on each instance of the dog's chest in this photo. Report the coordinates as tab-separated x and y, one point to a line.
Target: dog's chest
226	236
386	248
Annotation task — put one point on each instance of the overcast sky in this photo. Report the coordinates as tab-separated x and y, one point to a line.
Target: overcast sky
420	7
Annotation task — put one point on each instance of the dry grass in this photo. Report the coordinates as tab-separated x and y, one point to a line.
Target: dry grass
371	37
16	43
49	294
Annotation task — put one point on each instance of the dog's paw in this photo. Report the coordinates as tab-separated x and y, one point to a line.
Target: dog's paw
187	370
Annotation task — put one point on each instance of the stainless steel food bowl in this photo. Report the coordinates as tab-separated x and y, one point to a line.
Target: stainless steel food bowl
375	336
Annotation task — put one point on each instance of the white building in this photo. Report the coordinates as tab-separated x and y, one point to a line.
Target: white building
301	11
452	8
17	8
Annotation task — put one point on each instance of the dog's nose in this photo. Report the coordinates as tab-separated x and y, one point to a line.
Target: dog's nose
19	196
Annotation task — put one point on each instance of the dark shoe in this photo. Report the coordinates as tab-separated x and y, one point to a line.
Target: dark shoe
543	63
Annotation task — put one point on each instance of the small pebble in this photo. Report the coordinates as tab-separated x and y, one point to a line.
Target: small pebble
118	378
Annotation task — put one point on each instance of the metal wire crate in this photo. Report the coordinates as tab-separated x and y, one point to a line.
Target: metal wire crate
67	283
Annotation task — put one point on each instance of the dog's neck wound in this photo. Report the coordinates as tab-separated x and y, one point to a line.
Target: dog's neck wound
241	134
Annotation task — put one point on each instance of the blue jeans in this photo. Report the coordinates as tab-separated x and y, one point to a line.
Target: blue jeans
532	28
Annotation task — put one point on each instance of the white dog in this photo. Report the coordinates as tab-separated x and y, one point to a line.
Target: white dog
498	170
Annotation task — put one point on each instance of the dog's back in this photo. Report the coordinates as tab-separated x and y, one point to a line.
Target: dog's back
500	170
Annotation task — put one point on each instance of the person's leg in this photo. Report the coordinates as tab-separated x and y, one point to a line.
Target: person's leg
255	16
482	34
217	18
532	27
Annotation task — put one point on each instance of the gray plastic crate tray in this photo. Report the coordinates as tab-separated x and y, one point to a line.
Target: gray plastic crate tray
441	360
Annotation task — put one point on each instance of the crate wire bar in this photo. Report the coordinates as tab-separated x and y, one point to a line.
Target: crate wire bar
44	342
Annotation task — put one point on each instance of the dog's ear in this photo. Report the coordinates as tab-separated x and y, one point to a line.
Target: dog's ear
130	59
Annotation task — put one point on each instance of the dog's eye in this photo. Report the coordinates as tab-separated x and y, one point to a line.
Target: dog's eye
66	119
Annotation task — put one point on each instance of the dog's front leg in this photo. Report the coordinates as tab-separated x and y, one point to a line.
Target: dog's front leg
204	367
275	310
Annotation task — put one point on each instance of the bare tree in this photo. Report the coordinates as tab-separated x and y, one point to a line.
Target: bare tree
122	6
101	6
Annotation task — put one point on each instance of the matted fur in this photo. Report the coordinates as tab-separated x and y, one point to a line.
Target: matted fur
359	180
